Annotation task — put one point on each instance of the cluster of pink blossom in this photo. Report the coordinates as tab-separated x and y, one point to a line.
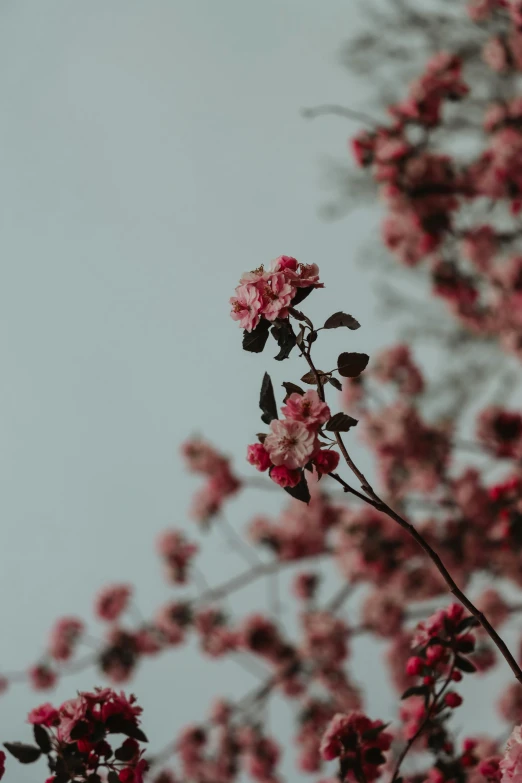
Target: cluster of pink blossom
75	738
270	293
429	193
359	743
177	554
470	523
200	457
293	442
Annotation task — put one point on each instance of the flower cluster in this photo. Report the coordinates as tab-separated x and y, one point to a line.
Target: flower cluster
75	738
177	554
293	442
200	457
359	743
269	294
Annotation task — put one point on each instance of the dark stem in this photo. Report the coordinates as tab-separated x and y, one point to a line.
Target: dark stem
374	500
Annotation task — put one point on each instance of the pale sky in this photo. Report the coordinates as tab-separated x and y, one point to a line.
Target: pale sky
150	153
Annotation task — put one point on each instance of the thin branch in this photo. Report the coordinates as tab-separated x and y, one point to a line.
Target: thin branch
339	111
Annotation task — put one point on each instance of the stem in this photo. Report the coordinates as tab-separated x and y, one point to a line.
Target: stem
423	725
374	500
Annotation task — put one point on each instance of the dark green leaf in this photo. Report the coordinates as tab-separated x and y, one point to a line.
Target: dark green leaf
415	690
291	388
350	365
255	340
116	724
341	422
309	377
301	491
301	294
136	733
374	756
80	730
267	401
124	752
341	319
372	734
336	383
300	316
25	754
285	337
464	665
42	738
112	777
468	622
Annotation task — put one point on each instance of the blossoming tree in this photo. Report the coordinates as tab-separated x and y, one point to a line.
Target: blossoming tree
431	549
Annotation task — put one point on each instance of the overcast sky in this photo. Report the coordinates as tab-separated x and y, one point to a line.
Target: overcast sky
150	152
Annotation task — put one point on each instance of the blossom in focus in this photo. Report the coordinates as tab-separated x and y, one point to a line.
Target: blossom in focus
246	306
290	443
307	408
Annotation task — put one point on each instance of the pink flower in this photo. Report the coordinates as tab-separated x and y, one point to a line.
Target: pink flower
45	715
64	636
42	678
112	601
284	477
307	408
305	585
511	764
257	456
346	737
326	461
283	264
277	294
290	443
246	306
177	553
453	700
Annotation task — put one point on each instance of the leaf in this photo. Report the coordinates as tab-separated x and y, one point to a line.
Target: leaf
341	319
255	340
124	752
467	622
261	436
309	377
415	690
301	491
341	422
285	337
301	295
374	756
80	730
372	734
300	337
112	777
464	665
267	401
350	365
300	316
116	724
42	738
291	388
25	754
336	383
136	733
